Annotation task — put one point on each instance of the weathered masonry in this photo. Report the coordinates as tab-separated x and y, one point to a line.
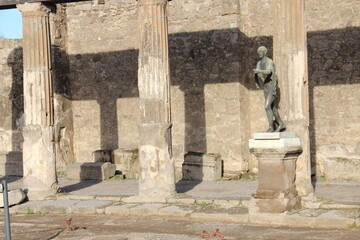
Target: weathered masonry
165	78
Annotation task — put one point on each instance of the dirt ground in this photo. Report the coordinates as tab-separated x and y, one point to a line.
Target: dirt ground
101	227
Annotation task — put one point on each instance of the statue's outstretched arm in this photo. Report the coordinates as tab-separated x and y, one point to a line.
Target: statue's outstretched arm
267	71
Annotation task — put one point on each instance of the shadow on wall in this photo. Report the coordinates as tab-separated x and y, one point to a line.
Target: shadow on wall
333	59
196	59
13	163
64	132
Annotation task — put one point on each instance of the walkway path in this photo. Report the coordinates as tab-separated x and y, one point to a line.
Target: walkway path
336	205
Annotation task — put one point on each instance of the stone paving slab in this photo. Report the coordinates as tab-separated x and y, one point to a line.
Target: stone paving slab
336	219
175	211
181	200
328	192
122	209
53	206
219	201
321	218
146	210
90	206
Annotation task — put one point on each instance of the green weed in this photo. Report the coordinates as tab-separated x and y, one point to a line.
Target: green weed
29	212
322	178
353	226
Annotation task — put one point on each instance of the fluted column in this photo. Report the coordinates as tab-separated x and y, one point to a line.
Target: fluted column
157	170
38	132
290	55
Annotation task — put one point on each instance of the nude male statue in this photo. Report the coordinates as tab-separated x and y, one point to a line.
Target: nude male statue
265	71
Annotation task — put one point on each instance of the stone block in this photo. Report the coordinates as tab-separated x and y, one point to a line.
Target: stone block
186	201
275	205
14	197
335	162
103	156
335	219
127	161
122	210
90	206
90	171
201	166
144	199
146	210
226	203
51	206
109	198
174	212
79	197
11	164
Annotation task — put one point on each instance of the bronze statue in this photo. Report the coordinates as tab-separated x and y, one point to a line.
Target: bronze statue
265	71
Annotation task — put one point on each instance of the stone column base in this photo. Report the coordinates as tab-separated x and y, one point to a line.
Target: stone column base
39	161
277	154
157	168
35	195
274	205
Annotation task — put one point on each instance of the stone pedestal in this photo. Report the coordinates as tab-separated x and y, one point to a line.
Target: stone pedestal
277	154
201	166
157	168
38	148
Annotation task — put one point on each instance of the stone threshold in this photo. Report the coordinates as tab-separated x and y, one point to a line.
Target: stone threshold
307	203
201	212
170	200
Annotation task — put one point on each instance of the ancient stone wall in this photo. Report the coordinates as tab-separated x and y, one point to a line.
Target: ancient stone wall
213	45
63	112
208	97
102	54
334	78
333	35
11	95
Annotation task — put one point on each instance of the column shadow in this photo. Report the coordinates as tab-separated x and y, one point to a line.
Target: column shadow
197	59
332	60
13	164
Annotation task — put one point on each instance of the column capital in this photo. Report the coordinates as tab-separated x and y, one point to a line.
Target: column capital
149	2
34	9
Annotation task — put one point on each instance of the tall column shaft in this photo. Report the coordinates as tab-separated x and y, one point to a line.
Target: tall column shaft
290	55
154	82
157	170
38	147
